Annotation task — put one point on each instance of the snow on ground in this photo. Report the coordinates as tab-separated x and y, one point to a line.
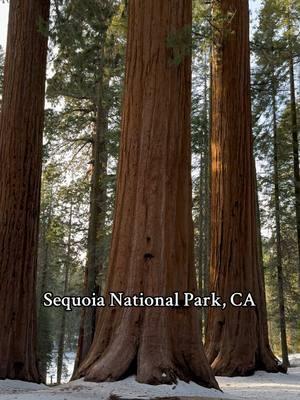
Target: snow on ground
127	389
264	386
294	360
10	386
261	386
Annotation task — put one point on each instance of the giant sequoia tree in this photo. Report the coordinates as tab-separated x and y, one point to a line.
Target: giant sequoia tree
237	340
21	125
152	243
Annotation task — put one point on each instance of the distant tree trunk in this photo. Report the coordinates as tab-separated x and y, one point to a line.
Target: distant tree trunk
237	340
21	126
43	272
42	325
152	243
204	190
258	222
200	242
44	258
202	223
294	131
284	348
95	248
208	197
62	328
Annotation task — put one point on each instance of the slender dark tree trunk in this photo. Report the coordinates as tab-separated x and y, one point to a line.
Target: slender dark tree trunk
44	263
204	194
21	126
294	131
43	274
96	234
284	348
237	340
201	242
202	211
208	197
258	222
152	242
295	141
40	321
62	328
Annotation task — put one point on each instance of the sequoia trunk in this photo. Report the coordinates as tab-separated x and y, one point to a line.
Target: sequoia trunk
152	242
237	338
21	125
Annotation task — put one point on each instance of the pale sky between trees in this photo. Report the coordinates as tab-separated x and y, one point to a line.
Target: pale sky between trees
254	5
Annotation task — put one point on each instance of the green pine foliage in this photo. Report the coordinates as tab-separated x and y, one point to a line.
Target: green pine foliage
273	42
87	44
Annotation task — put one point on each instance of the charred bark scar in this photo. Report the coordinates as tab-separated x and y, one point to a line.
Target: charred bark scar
18	366
148	256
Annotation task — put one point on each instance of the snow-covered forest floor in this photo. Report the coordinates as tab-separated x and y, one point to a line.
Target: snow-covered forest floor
260	386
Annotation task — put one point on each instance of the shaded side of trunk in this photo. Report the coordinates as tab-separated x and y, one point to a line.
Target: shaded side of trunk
152	240
237	337
284	348
21	126
95	249
62	328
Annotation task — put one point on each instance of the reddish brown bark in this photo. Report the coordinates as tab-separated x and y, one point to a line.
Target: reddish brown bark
152	243
21	125
237	339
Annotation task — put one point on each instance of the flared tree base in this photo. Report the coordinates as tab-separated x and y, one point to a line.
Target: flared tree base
157	346
20	372
233	364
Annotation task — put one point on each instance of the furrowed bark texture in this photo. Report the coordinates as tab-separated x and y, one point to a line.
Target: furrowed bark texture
152	243
21	125
237	338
